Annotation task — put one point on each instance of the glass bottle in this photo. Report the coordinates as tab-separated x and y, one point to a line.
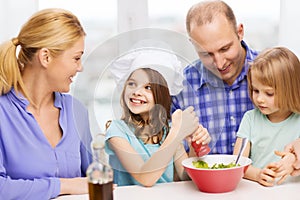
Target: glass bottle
100	173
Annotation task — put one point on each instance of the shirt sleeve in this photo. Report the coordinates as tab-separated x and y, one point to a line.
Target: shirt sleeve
33	189
117	128
176	100
245	126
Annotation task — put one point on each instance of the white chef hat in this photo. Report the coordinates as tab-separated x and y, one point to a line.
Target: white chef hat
163	61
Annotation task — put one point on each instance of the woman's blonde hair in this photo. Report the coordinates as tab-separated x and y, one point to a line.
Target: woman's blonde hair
278	68
54	29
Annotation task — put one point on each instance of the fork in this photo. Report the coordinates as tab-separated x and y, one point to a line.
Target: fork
242	148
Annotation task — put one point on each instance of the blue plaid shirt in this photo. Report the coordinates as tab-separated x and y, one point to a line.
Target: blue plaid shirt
220	107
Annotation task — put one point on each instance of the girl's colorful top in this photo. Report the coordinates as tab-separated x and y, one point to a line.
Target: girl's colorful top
118	128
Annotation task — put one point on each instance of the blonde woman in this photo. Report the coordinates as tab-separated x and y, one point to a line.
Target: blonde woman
274	81
42	154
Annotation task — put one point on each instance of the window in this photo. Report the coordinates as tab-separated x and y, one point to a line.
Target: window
96	89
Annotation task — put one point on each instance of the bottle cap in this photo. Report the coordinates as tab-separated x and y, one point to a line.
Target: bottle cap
98	141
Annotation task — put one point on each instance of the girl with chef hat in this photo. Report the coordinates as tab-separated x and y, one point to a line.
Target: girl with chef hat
143	147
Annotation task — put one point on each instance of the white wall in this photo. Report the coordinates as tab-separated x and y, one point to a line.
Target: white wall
289	31
132	14
13	14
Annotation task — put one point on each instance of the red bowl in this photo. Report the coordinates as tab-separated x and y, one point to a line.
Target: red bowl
216	180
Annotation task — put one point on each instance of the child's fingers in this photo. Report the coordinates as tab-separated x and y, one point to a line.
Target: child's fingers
266	183
280	153
282	179
266	180
274	166
196	135
203	137
270	172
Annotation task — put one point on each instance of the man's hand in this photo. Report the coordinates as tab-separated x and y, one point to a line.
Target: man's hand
294	147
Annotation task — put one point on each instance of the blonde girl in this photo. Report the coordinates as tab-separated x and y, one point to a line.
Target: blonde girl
274	82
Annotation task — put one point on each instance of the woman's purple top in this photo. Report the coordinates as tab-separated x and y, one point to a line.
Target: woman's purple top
30	167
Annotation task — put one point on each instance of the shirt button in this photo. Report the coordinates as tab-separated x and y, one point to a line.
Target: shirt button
232	144
232	118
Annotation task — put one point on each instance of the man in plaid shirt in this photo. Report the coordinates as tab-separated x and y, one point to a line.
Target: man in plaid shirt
216	86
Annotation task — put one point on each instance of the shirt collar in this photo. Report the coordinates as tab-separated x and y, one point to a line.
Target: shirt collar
58	100
249	58
18	96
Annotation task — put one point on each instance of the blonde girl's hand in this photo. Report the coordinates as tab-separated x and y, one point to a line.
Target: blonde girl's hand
201	136
266	177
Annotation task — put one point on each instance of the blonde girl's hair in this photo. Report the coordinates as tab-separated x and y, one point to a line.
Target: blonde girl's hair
204	12
54	29
278	68
159	116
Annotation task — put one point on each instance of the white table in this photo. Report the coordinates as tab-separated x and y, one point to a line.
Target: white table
246	190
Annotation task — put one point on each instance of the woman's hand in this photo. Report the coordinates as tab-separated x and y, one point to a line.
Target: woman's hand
77	185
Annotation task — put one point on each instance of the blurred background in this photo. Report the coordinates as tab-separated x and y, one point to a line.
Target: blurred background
267	23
